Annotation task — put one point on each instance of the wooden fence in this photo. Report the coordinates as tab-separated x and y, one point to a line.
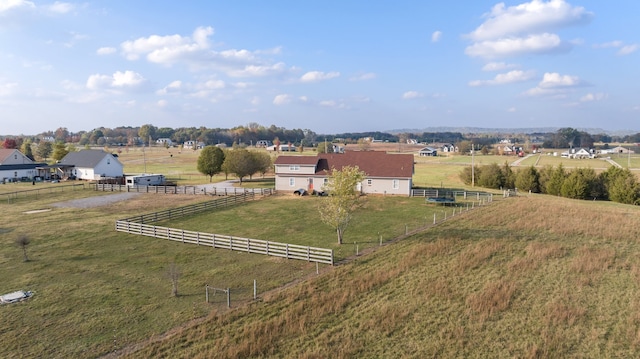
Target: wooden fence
178	212
248	245
36	192
138	225
180	189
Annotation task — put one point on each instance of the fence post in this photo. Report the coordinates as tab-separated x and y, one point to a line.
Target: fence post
228	298
206	291
434	218
255	290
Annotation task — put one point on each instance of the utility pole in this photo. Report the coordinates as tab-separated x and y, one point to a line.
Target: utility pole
473	177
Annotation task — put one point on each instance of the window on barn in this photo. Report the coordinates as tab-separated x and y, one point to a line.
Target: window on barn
395	184
292	182
369	182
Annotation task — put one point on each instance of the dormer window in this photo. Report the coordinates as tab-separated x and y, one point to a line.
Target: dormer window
294	167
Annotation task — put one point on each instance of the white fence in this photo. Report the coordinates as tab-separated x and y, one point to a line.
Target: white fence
442	192
181	190
137	225
248	245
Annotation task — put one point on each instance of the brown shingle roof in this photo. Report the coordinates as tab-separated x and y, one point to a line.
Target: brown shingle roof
373	163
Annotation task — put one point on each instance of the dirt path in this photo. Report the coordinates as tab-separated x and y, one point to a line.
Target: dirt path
96	201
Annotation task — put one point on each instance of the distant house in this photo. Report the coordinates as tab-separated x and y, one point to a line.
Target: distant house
428	151
582	153
193	145
92	165
618	149
165	142
385	173
14	165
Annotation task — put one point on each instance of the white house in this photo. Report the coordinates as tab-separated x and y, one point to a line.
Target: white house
93	164
14	165
193	145
385	173
428	151
164	142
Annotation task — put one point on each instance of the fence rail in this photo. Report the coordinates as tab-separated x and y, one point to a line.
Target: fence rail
9	196
248	245
105	187
138	225
178	212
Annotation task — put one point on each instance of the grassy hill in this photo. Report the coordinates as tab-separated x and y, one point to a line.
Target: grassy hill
531	277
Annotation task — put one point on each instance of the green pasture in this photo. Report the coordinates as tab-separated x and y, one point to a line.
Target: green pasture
98	290
533	284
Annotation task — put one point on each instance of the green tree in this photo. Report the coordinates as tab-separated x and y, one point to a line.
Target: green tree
239	162
146	133
262	161
27	150
44	149
490	176
580	184
621	185
210	161
527	180
325	147
59	151
553	185
337	209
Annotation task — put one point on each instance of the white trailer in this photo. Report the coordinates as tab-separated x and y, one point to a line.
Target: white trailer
145	180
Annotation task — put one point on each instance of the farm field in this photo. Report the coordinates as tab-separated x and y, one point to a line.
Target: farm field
98	290
542	284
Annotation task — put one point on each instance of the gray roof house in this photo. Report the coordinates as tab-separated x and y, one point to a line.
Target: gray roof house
93	164
385	173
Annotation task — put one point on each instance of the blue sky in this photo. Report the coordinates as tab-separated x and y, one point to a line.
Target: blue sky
329	66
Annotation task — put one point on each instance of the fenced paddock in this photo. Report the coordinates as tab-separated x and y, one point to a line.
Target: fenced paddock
36	192
181	190
138	225
248	245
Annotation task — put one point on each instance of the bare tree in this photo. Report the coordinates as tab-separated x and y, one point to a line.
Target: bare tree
23	241
174	274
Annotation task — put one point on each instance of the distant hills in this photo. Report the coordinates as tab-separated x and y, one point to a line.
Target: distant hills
524	130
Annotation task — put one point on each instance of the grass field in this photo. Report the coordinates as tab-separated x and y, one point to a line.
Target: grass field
525	277
554	278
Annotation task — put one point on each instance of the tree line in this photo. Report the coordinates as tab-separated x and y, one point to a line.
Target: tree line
237	161
615	184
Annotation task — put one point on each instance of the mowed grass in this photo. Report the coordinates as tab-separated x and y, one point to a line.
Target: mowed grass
98	290
295	220
533	277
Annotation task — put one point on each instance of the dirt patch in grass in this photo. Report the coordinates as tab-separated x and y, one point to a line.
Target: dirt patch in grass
96	201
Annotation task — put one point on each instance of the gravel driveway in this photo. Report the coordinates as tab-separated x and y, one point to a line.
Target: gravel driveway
96	201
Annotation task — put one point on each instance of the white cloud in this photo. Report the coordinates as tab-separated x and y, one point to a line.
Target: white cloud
60	7
628	49
173	87
106	50
554	84
127	79
498	66
592	97
282	99
255	101
507	47
6	5
525	29
162	103
195	52
511	109
7	88
533	17
410	95
315	76
507	78
555	80
435	37
623	49
363	77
